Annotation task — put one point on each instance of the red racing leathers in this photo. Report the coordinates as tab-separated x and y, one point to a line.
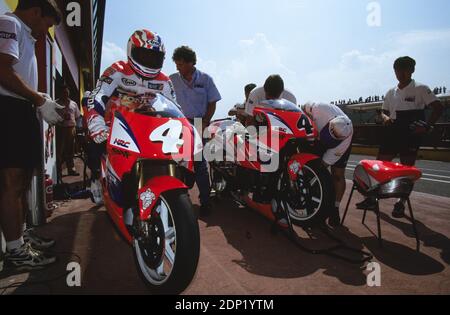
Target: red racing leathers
121	86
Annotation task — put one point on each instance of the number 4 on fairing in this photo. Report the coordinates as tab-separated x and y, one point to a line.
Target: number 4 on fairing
169	134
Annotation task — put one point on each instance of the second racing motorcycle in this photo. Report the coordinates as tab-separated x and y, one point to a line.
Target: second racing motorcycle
275	170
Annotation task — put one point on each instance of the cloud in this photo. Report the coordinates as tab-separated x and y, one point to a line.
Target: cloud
255	59
365	73
357	73
111	53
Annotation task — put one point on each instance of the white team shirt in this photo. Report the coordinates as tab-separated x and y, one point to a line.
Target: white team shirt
322	114
415	96
258	95
16	40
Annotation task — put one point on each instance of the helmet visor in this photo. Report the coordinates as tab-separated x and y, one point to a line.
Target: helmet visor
148	58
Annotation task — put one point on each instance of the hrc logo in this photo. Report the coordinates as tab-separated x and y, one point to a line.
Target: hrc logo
121	143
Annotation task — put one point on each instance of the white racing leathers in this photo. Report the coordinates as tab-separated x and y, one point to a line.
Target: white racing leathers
120	86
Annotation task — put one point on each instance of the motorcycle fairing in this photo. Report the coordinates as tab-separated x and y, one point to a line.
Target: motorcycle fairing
150	193
297	162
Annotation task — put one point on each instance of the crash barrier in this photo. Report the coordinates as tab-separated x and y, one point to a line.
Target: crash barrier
372	134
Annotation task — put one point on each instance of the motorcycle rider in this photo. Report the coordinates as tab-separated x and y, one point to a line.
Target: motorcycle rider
136	78
335	145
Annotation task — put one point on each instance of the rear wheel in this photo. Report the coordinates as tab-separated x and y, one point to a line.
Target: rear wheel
309	199
168	247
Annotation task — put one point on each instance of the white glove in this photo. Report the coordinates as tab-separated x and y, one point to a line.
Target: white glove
46	96
49	112
101	136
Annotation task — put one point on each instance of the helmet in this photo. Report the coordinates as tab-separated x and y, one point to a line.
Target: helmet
146	53
341	127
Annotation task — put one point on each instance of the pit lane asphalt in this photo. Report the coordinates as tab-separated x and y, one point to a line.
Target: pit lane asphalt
239	254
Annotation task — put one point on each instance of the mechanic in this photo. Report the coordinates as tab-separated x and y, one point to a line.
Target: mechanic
335	145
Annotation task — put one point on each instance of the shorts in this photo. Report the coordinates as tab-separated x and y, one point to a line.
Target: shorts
21	134
343	161
398	140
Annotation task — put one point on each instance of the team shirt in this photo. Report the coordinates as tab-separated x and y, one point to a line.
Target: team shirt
16	40
258	95
195	96
415	96
322	114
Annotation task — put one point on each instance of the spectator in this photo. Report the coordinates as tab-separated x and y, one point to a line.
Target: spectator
404	116
19	101
65	133
198	96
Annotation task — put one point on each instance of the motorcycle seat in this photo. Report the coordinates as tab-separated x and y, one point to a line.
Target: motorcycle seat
384	172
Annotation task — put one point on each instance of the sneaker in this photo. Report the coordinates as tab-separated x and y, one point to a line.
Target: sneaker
399	210
26	258
205	210
96	192
367	204
36	241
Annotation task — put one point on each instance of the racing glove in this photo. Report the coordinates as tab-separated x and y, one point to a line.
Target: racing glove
100	136
49	111
419	127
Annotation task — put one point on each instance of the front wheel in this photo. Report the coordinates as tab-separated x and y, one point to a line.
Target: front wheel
309	199
168	246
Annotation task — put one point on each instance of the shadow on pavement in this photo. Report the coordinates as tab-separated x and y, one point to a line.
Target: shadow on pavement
107	265
274	255
428	237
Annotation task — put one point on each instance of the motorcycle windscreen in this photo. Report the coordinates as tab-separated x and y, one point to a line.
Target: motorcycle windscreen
159	106
154	137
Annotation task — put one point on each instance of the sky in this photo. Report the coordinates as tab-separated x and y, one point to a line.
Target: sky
325	50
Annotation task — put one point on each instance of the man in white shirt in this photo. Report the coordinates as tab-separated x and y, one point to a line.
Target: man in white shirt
22	143
335	142
405	121
273	89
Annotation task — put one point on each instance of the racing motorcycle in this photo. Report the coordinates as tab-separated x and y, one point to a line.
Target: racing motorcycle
275	170
149	153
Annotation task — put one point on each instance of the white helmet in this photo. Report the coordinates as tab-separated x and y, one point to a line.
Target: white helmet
146	53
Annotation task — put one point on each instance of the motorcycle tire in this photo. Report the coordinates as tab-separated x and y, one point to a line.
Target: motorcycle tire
328	196
187	247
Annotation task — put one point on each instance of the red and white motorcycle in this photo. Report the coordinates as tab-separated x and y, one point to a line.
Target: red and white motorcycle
149	152
274	171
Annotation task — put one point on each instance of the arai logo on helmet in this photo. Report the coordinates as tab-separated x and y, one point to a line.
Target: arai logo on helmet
147	198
